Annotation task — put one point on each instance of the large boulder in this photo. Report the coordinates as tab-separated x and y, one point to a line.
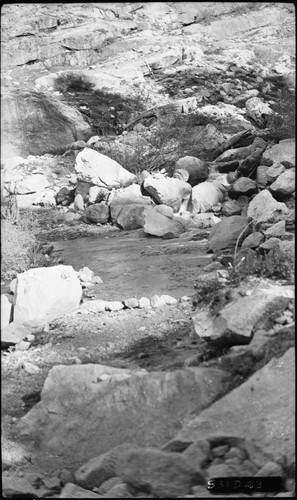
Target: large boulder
5	311
128	206
284	185
153	471
97	213
236	141
197	169
240	153
34	123
261	409
259	111
264	208
244	186
231	207
168	191
253	240
65	196
206	195
130	216
102	170
164	475
283	152
32	184
115	405
277	230
129	195
159	221
45	293
268	174
226	233
235	323
248	166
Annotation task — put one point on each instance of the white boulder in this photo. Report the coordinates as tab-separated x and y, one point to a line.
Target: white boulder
205	195
32	184
168	191
264	208
5	311
158	224
47	292
102	170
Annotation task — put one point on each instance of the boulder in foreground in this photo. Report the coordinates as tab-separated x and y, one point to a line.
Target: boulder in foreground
116	405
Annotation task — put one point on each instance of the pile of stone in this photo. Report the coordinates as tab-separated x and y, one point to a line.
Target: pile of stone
248	178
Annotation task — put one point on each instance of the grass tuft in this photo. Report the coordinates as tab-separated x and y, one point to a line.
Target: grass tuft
19	246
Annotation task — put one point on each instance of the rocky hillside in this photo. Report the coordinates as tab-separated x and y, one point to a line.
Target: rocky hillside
150	54
166	130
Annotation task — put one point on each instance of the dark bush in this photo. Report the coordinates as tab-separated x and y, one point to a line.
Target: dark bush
73	82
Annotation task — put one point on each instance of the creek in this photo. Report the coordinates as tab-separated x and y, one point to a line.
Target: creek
131	265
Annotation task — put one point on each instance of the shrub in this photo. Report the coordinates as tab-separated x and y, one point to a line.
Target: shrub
73	82
19	248
274	265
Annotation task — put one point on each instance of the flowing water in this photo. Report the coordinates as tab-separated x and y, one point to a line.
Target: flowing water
134	266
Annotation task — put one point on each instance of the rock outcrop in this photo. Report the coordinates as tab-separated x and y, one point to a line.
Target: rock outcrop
36	123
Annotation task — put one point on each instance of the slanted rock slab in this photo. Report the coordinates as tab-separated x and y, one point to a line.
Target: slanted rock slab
262	409
235	323
79	402
226	232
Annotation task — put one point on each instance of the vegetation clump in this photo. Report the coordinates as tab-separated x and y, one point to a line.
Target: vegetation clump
19	246
73	82
273	265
